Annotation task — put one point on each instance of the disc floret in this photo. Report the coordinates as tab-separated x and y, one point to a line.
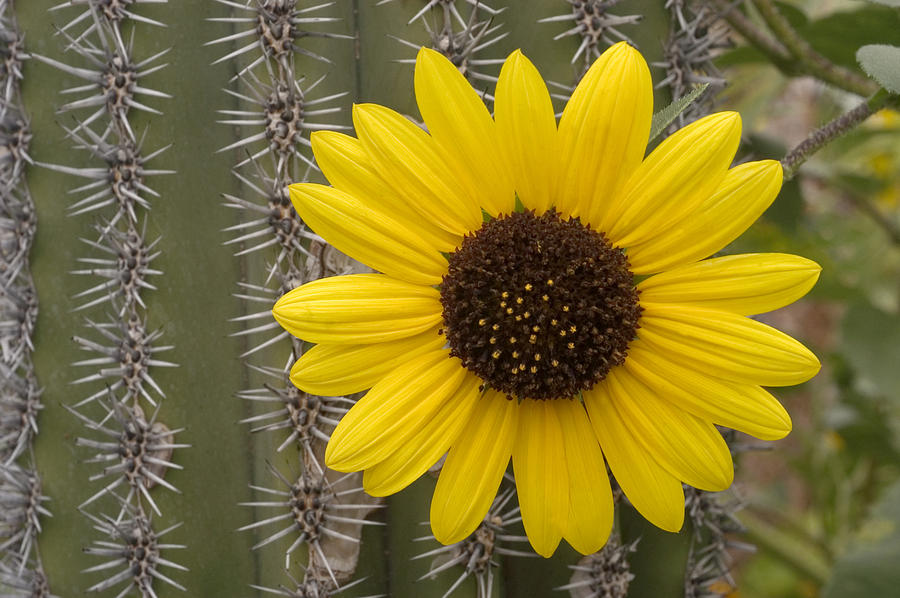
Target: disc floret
539	306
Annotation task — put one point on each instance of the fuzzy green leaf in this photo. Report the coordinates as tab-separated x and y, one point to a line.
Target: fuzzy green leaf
664	117
882	63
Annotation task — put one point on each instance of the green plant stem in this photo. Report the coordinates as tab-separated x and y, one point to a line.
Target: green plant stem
834	129
811	61
771	48
799	553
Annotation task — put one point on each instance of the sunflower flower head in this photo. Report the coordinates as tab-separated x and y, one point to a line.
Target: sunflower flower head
504	319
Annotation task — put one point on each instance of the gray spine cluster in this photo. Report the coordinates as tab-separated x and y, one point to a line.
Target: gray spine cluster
697	36
276	110
461	31
714	542
21	498
477	554
131	450
595	26
604	574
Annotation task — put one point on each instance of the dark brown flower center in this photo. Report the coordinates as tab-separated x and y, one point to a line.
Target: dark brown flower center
539	307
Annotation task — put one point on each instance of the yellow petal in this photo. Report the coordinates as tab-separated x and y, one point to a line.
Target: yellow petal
726	345
407	156
346	165
603	133
742	196
744	407
526	125
688	447
679	175
743	284
590	497
335	370
393	411
461	124
367	235
653	491
474	468
542	480
422	450
358	309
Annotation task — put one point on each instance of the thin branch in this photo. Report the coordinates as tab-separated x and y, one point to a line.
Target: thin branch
811	61
869	208
834	129
770	47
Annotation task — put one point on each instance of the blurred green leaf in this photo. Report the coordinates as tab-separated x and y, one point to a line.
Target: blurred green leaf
870	341
740	55
895	3
882	63
787	209
837	36
863	426
794	14
857	183
870	568
759	146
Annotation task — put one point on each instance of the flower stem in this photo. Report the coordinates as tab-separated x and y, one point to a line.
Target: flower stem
811	61
834	129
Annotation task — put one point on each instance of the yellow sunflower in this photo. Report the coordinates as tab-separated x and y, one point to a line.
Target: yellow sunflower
507	319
